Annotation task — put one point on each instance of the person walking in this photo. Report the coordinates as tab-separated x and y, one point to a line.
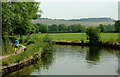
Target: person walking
16	45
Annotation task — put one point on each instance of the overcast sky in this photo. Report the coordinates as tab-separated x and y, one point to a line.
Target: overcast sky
68	9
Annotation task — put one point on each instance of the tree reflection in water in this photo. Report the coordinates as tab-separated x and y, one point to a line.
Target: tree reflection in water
47	61
93	55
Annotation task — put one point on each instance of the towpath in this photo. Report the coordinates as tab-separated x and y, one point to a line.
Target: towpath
18	52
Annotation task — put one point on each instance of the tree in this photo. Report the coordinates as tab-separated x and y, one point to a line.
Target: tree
109	27
42	28
101	27
117	25
62	28
53	28
17	16
93	35
76	28
37	28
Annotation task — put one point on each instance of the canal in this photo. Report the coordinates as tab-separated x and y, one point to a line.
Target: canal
75	60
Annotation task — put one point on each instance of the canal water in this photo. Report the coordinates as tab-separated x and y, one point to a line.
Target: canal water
75	60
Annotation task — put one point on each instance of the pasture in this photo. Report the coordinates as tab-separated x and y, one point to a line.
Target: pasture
78	36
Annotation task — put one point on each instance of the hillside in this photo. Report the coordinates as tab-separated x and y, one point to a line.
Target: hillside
55	21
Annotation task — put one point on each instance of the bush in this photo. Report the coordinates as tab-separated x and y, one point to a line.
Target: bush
21	40
26	39
93	35
6	46
48	44
12	38
30	42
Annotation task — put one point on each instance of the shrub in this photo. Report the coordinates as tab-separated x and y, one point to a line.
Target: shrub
26	39
21	40
48	44
12	38
30	42
6	46
93	35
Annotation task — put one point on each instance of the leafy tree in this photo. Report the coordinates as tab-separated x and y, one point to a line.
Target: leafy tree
117	25
17	16
93	35
76	28
101	27
42	28
37	28
53	28
109	27
62	28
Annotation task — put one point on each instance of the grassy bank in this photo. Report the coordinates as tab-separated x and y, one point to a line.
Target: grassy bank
35	46
36	43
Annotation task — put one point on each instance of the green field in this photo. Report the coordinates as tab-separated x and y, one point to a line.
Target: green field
78	36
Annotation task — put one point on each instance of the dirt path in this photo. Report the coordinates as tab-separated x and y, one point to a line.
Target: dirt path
19	51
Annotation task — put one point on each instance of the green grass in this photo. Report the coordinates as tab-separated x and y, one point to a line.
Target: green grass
78	36
11	50
32	50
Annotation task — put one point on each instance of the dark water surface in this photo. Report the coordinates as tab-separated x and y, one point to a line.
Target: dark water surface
75	60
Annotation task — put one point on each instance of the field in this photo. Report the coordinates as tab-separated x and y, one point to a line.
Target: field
78	36
57	22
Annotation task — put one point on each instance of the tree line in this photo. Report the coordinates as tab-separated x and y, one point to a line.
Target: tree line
75	28
60	28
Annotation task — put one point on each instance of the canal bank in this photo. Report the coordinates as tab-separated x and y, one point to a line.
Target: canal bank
27	62
17	66
74	60
35	49
107	44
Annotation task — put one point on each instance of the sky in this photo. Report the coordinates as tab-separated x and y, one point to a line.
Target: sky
76	9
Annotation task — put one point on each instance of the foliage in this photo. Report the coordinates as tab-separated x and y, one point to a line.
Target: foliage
93	35
30	42
32	50
76	28
117	25
53	28
21	40
42	28
101	27
48	46
12	38
109	27
63	28
7	46
16	17
26	39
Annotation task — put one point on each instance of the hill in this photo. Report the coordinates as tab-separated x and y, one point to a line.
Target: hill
86	22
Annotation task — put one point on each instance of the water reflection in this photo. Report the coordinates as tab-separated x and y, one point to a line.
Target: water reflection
75	60
47	61
93	55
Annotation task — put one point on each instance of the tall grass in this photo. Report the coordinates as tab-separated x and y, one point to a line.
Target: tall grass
7	46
